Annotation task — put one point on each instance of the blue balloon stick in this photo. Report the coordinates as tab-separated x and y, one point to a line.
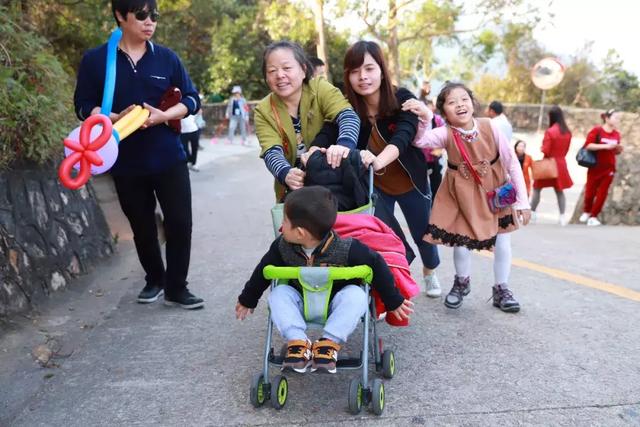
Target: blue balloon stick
110	73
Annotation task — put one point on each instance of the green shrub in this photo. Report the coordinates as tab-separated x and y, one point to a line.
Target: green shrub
36	110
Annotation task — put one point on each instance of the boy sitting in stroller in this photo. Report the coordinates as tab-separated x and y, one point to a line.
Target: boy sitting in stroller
308	240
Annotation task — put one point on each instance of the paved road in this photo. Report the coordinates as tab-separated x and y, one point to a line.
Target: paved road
571	357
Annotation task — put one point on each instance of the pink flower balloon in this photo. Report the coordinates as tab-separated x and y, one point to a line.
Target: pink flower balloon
108	153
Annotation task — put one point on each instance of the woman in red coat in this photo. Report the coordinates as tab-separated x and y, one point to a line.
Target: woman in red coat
555	145
525	163
605	142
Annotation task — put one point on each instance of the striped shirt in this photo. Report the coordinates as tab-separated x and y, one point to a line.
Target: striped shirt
348	129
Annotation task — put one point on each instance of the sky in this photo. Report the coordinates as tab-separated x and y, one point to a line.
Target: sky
609	24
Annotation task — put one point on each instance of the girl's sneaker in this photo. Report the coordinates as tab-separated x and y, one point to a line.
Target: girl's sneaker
298	356
503	299
461	288
593	222
432	285
325	356
584	217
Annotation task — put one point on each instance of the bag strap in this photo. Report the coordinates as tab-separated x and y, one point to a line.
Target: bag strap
465	157
283	134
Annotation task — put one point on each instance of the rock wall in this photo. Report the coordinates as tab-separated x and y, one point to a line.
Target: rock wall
48	235
214	114
580	120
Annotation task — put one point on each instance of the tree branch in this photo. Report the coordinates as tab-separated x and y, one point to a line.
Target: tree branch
401	5
365	19
6	52
423	33
70	3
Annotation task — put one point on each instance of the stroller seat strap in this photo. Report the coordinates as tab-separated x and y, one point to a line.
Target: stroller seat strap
316	292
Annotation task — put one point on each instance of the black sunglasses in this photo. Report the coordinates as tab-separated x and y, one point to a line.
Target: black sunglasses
142	15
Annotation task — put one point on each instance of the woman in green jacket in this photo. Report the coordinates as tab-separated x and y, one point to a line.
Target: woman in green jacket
288	119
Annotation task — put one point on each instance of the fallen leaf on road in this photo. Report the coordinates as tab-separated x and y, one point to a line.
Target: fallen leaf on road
42	354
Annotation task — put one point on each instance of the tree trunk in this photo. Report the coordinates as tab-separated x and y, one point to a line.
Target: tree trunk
392	43
321	46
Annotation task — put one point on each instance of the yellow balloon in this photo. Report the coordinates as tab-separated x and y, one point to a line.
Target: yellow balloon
123	122
135	123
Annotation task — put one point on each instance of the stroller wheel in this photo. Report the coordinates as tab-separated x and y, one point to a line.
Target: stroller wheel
377	396
388	364
355	396
257	393
279	391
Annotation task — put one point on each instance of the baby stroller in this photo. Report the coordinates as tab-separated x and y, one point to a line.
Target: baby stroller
316	283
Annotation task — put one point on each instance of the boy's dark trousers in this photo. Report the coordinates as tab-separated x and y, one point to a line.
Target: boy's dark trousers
137	195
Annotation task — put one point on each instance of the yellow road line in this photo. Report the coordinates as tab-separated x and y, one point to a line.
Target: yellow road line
574	278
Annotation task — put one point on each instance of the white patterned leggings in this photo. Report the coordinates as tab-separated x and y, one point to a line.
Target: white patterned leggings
501	259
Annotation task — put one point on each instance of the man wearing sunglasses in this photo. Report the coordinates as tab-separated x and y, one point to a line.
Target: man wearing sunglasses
151	162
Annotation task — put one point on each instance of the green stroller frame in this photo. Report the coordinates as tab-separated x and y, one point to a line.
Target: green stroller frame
318	280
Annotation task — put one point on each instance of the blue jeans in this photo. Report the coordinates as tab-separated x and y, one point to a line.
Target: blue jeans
348	305
416	209
237	121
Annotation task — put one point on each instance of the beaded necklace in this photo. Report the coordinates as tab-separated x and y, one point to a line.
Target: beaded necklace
468	135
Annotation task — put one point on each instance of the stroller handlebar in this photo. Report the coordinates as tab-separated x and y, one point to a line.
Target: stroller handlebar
364	272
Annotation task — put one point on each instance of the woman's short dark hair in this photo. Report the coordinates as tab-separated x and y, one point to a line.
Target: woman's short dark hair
313	208
126	6
446	90
353	59
604	116
518	142
557	116
298	54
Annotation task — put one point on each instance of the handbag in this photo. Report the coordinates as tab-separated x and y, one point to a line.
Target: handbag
497	199
170	98
587	158
544	169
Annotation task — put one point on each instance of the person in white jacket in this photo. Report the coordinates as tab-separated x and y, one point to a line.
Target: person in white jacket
495	111
190	135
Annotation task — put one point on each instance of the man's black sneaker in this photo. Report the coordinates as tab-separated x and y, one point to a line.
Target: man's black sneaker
461	288
150	293
503	299
184	299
